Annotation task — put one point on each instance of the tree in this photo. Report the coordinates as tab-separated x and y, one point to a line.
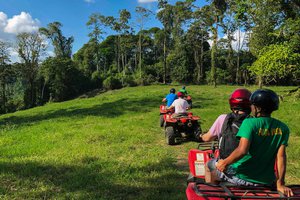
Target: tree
62	77
218	7
165	15
229	26
96	23
121	26
62	45
197	36
274	62
30	46
143	15
6	73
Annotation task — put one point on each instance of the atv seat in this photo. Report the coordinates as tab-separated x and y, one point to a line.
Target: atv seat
179	115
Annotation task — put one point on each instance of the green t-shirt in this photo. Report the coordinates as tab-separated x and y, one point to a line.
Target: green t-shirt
266	135
183	91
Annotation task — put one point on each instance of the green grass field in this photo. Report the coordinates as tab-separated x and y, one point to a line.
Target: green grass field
111	146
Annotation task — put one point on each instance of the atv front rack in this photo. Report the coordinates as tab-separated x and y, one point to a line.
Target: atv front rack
205	191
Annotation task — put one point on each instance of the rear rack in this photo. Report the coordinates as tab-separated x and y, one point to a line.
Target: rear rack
200	190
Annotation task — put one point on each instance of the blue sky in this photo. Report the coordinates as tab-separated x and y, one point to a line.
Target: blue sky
28	15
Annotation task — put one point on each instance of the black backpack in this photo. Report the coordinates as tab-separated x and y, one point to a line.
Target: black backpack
228	141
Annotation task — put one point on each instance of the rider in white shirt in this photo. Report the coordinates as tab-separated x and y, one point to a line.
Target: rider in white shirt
180	105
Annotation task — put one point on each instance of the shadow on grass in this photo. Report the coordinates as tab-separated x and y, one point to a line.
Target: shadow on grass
93	181
108	110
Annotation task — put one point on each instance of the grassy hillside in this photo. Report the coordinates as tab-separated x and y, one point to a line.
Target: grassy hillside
111	146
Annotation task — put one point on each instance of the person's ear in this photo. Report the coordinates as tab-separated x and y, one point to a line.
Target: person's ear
258	109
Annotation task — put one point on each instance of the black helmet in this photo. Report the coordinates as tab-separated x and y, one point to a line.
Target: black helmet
172	90
266	99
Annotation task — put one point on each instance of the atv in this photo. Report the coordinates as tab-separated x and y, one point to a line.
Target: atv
163	112
181	128
198	189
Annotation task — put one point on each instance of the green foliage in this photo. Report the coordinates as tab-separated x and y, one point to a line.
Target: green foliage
111	83
62	45
129	81
62	77
276	61
222	77
178	66
97	79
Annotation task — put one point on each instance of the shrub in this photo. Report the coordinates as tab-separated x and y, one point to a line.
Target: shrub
97	79
111	83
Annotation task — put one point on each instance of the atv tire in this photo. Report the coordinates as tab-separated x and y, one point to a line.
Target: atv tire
170	135
161	121
197	133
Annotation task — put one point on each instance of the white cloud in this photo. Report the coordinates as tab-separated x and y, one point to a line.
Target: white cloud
3	20
21	23
90	1
10	27
146	1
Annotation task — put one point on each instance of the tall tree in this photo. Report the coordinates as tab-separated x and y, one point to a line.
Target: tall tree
5	72
218	7
165	15
143	15
121	26
229	26
125	16
62	45
96	22
30	46
198	36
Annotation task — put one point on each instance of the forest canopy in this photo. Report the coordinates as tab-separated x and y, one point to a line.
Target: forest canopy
260	44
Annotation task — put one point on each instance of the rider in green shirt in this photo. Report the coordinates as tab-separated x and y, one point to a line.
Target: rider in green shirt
183	91
263	139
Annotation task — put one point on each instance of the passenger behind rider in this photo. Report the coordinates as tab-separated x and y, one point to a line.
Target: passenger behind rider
170	97
240	109
263	142
180	105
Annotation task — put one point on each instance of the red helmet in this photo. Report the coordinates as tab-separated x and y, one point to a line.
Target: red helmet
180	94
240	99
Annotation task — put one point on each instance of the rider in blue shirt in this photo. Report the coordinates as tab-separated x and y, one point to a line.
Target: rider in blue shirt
170	97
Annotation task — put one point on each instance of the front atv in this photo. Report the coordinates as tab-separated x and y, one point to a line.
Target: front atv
181	128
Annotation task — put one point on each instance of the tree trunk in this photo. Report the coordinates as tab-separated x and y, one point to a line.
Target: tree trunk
213	54
237	76
260	82
196	58
140	54
118	53
201	60
4	97
43	90
165	61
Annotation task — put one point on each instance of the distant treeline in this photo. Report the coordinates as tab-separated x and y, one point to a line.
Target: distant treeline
187	49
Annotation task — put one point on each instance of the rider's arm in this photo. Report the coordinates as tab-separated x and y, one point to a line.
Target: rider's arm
281	167
164	100
237	154
215	130
206	137
172	106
